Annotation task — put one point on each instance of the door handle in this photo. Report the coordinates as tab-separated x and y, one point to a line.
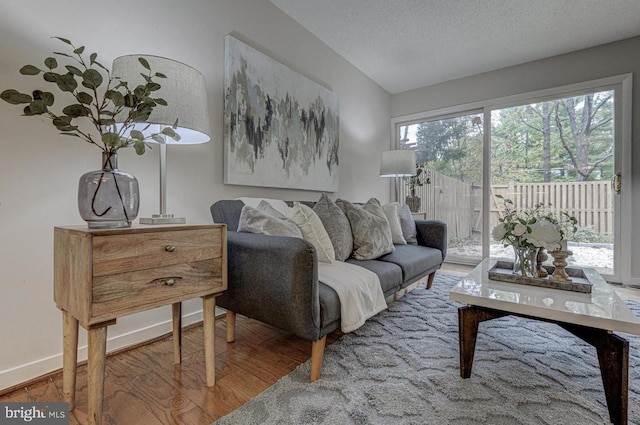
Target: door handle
616	183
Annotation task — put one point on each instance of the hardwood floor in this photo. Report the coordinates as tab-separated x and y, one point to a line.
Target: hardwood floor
143	386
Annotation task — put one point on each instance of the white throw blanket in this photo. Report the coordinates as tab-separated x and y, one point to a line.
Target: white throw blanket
358	289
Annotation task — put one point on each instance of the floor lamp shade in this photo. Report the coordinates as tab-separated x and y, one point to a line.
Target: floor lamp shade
398	163
185	92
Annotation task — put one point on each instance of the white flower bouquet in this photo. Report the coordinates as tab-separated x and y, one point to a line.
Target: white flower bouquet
530	230
536	227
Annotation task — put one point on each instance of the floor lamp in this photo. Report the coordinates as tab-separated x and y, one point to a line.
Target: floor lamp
185	92
398	163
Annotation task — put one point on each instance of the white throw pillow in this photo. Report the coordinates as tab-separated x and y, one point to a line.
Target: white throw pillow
391	211
313	231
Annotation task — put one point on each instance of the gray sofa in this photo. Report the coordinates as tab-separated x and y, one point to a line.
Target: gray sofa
274	279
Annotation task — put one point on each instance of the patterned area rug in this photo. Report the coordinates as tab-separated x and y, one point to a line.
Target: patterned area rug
402	367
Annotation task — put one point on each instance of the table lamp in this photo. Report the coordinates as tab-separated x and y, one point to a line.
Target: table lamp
185	91
398	163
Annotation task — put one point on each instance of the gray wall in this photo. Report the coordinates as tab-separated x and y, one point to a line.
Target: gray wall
39	170
603	61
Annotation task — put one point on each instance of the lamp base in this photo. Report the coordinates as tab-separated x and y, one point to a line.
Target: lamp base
162	219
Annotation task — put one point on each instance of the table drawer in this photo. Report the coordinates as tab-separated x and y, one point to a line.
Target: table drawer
125	293
113	254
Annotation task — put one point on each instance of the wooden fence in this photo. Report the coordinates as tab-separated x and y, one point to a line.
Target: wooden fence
591	203
451	201
459	204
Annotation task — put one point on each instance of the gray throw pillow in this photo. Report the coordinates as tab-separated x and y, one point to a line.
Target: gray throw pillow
255	221
267	208
408	224
337	226
370	229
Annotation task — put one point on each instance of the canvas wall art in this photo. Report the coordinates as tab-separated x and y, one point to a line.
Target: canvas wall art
281	128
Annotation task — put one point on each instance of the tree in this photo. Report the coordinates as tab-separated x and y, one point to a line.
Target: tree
451	146
586	116
544	112
563	139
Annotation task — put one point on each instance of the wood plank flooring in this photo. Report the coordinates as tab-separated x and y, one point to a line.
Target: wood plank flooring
144	387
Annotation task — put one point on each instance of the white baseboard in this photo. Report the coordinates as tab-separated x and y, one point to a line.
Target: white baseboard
28	371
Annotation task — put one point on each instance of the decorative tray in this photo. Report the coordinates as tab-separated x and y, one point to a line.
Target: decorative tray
503	270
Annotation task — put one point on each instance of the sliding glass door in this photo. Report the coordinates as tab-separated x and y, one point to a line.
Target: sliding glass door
565	148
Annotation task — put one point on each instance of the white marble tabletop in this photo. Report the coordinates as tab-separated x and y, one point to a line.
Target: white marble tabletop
602	308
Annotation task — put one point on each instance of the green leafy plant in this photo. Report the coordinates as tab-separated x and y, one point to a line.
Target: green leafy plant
96	98
419	179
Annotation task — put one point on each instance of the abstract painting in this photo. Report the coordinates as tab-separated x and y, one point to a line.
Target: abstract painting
280	128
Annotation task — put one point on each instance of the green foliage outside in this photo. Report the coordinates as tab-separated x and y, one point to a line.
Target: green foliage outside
561	140
567	139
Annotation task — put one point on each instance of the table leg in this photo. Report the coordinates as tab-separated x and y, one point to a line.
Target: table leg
469	317
208	314
176	309
95	372
69	358
613	357
467	335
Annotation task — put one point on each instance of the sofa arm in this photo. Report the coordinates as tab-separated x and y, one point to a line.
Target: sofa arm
273	279
432	233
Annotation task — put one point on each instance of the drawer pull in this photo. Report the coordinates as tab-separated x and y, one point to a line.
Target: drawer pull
168	281
169	248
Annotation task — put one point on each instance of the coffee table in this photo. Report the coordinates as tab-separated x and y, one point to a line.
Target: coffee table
591	317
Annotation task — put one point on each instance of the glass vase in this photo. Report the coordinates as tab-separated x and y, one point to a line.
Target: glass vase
525	262
108	198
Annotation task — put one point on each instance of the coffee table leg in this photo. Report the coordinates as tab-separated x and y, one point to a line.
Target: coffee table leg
613	356
469	317
467	335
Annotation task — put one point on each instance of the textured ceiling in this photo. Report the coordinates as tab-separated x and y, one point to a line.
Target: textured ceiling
406	44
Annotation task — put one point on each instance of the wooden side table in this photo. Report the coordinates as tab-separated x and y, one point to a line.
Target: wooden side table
101	275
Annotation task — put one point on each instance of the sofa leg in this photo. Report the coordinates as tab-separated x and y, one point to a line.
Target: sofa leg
231	326
317	351
430	280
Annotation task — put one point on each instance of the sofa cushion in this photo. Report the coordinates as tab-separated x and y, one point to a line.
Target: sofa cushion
390	274
337	226
254	221
370	229
408	224
313	231
391	212
414	260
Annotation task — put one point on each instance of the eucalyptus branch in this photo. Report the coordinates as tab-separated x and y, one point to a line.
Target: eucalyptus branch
98	106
